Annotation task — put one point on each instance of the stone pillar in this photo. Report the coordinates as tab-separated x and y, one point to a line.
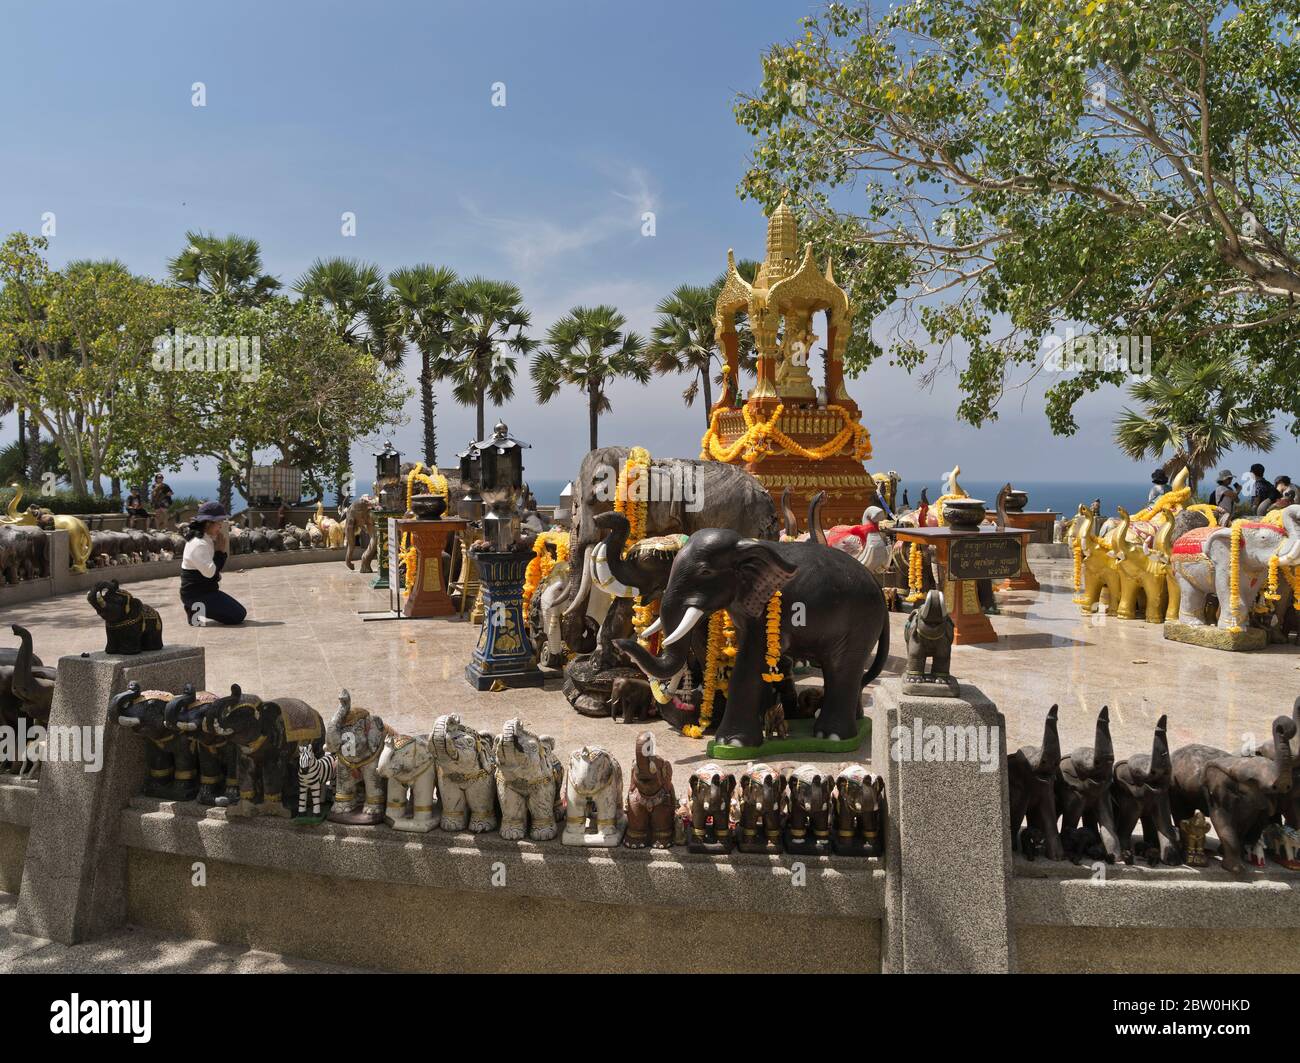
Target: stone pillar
59	560
74	878
948	848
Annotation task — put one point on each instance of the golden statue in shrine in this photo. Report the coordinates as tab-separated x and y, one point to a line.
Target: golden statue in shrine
788	432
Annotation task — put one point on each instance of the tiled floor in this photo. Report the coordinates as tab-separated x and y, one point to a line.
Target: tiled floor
305	638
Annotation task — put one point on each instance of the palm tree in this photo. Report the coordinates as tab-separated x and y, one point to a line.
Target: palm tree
588	348
365	315
489	328
683	340
1192	416
423	297
227	267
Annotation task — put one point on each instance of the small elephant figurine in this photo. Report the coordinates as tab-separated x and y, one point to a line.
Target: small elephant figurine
594	797
528	780
170	757
711	790
1031	789
466	775
1032	841
315	785
651	799
858	805
131	626
408	765
808	828
630	699
187	714
761	810
1192	832
928	636
267	734
356	737
1140	793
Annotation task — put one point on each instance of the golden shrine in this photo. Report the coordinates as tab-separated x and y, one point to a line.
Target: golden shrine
788	432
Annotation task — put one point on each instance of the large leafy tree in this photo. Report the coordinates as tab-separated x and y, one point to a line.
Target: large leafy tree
1191	415
74	344
684	341
227	267
1012	165
588	348
307	387
423	296
489	330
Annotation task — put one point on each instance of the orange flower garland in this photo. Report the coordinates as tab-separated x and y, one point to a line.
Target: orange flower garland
773	655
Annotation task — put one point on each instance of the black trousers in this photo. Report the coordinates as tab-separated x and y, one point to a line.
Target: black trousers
215	605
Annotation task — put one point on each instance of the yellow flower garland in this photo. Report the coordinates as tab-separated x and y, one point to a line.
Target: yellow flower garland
712	673
541	564
1234	575
437	485
759	436
915	572
773	655
635	470
1169	502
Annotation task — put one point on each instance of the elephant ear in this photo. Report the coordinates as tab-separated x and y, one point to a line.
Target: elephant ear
762	571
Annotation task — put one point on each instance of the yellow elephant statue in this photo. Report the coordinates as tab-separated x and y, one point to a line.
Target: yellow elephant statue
1095	568
35	517
1144	570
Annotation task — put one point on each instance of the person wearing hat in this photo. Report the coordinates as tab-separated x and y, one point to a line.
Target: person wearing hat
1225	494
205	556
1159	485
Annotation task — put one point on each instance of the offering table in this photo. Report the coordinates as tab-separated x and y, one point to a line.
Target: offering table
425	592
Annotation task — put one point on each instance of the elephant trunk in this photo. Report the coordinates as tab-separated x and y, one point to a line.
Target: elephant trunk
1103	749
171	714
619	567
24	685
572	624
334	729
1050	754
815	532
1161	766
1284	729
1289	552
787	515
672	658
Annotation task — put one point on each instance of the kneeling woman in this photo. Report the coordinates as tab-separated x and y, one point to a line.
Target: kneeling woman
201	565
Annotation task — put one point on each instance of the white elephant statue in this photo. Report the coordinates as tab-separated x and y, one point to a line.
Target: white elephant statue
594	790
356	738
1202	565
407	764
528	778
466	775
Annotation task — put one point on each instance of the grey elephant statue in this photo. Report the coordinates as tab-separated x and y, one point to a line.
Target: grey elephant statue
687	495
1141	794
1241	795
1289	803
840	606
528	779
466	775
928	636
23	553
1083	788
1031	790
356	737
360	519
1201	565
407	764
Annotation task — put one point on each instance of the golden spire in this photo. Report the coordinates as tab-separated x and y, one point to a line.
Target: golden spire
782	245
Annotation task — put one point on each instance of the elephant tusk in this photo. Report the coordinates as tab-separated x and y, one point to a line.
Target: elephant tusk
692	617
1291	555
654	628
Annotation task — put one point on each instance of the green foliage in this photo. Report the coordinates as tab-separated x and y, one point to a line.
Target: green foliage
224	267
1008	166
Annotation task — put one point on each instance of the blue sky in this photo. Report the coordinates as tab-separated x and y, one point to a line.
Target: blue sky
384	109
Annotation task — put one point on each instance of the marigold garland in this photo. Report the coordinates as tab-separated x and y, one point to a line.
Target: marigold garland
712	673
541	564
915	572
773	654
1170	502
635	470
434	481
1234	575
759	436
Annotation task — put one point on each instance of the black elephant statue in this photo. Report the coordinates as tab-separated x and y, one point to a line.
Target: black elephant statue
1289	803
1241	795
1083	786
710	804
760	823
808	827
218	756
832	614
1031	790
35	684
170	757
685	496
267	734
858	812
1141	794
130	626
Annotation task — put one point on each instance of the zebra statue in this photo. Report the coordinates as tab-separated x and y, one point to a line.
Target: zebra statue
315	773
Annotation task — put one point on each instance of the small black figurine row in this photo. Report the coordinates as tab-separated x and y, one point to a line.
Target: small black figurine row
1085	805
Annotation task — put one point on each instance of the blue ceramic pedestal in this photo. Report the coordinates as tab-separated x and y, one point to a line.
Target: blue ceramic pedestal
504	652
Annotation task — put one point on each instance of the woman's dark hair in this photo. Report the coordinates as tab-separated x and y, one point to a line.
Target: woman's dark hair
194	529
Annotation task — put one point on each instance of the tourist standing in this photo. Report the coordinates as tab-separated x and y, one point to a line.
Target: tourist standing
160	498
205	555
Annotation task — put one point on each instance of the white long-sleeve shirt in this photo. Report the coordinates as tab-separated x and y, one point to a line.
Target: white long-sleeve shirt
198	556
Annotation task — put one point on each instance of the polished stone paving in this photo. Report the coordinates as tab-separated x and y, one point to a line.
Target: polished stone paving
305	638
